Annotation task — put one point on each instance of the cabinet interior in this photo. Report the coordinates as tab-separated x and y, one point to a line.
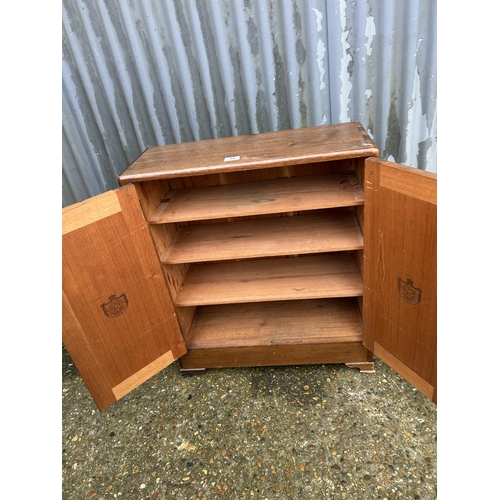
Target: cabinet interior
265	257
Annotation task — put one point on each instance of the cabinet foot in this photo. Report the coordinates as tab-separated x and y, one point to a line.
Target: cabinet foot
364	366
188	372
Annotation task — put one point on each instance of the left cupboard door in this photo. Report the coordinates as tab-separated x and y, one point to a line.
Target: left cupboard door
119	324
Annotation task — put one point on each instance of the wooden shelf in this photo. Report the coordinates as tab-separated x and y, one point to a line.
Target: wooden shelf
276	323
258	198
268	237
305	277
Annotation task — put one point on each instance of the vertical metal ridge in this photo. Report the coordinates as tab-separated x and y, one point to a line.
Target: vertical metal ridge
141	73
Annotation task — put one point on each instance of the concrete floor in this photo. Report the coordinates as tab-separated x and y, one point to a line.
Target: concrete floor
310	432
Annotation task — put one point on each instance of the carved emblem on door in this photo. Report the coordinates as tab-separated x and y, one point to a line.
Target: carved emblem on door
116	305
410	293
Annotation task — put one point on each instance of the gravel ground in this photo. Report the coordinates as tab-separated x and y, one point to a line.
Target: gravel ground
298	432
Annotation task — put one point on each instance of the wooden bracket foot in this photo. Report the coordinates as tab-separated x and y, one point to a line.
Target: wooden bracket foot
189	372
364	366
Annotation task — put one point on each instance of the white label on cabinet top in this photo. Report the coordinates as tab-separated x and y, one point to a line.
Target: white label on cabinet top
231	158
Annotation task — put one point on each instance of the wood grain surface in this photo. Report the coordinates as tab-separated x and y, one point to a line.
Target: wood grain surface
258	198
119	324
286	147
266	237
304	277
400	296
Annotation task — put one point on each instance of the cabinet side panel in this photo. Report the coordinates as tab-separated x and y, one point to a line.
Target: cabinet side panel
358	166
150	195
400	268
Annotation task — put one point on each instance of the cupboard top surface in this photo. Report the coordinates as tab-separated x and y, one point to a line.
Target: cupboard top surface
270	149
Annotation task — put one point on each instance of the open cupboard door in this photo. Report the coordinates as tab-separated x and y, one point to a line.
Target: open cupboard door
400	266
119	324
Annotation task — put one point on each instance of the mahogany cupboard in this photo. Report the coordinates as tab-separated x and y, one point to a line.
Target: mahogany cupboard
282	248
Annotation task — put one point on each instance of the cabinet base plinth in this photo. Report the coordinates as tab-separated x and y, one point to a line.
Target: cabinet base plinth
277	355
189	372
365	367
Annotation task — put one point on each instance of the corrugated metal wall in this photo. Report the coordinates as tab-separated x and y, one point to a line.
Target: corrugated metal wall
138	73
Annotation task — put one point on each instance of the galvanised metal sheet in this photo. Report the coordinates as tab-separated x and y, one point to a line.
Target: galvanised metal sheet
139	73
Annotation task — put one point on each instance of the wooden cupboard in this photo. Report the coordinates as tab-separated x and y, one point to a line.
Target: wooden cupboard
283	248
